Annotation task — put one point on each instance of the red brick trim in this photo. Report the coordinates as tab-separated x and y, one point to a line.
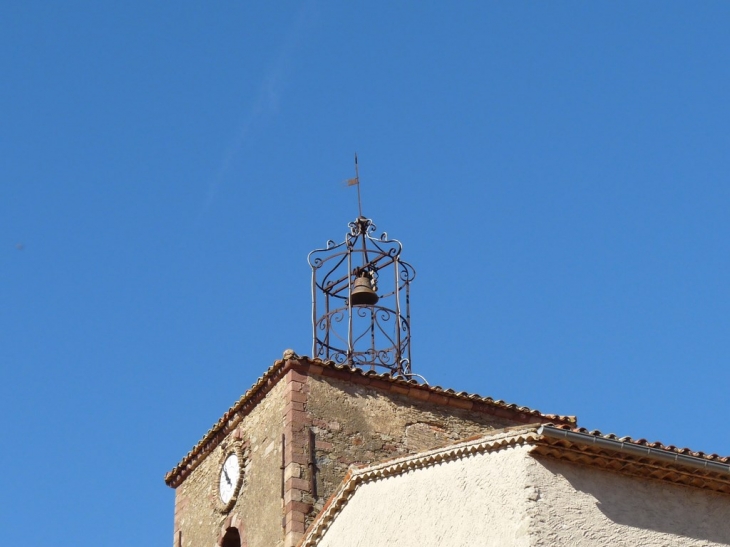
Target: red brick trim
233	521
403	390
181	503
296	486
466	404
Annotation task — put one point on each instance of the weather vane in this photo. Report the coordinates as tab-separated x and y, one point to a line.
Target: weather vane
361	298
356	182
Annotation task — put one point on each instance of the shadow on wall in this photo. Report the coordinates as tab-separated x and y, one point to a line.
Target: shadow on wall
650	504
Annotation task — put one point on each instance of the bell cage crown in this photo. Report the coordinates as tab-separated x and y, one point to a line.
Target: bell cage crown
361	301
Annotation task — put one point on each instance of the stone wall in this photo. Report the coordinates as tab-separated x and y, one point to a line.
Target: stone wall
356	424
257	512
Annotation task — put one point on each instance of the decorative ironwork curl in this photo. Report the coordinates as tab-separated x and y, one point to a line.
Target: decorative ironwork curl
376	334
407	273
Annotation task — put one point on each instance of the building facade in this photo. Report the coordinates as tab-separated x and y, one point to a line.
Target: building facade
295	435
530	487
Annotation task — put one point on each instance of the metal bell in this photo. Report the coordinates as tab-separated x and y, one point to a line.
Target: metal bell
363	293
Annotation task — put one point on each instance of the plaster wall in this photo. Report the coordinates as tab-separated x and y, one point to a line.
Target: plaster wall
510	498
258	510
356	424
480	500
580	506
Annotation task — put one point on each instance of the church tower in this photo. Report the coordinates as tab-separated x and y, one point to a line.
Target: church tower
263	472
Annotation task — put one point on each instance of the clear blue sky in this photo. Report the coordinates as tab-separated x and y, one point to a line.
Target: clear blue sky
557	173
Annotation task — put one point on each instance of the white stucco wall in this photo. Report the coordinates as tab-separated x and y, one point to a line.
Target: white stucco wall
479	500
584	506
509	498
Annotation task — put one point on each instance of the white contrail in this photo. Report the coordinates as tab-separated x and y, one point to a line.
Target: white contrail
266	104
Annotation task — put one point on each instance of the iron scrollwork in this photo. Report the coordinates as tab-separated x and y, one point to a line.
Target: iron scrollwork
374	335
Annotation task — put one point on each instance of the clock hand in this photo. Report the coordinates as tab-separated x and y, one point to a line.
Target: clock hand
228	479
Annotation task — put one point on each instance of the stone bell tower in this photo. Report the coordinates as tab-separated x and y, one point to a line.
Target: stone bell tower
267	467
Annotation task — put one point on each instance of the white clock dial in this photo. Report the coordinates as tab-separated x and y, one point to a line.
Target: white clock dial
229	478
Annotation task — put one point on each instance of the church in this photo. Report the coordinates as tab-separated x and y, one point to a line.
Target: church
350	447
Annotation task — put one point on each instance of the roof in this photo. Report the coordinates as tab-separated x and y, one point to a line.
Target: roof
657	445
578	445
380	381
635	457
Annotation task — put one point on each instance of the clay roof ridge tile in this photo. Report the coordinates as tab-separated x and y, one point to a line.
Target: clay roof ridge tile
655	444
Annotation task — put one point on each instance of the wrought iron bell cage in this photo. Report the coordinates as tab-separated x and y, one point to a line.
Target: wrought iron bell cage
361	301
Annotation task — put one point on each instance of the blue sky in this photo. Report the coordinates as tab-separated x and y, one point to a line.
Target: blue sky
557	173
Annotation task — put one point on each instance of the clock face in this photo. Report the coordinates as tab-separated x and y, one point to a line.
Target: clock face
230	473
